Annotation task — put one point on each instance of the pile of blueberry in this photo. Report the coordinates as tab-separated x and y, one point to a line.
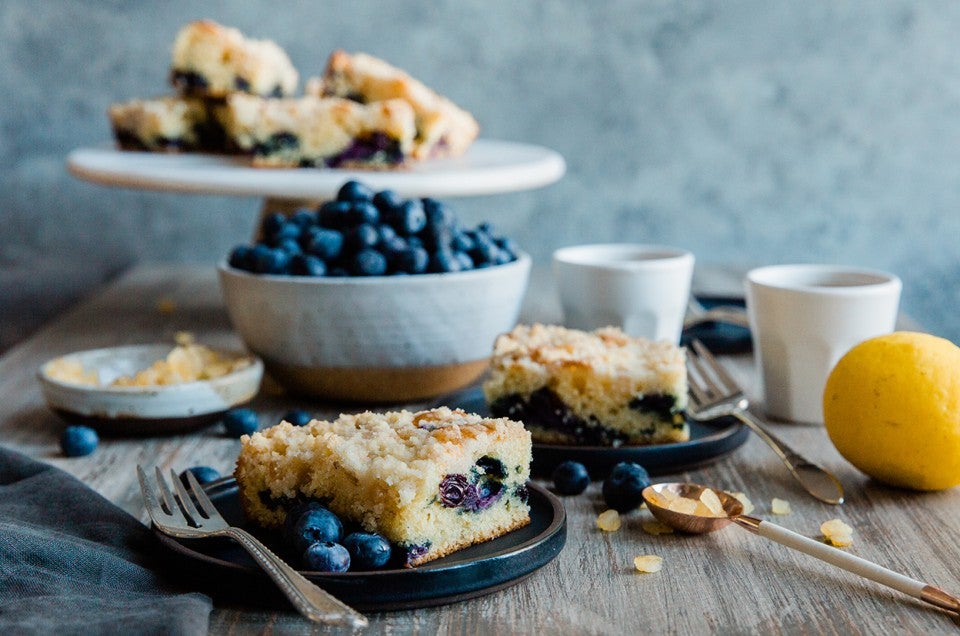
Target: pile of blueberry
367	233
621	489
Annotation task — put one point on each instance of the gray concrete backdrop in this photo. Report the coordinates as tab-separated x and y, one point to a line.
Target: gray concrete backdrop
749	131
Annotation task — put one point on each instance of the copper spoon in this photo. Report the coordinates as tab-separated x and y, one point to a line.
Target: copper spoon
658	498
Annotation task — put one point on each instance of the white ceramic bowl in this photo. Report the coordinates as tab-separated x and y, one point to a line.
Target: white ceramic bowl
150	410
376	339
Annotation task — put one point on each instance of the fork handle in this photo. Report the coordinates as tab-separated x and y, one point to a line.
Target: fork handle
815	480
310	600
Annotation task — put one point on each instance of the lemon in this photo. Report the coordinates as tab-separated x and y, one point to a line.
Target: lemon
891	407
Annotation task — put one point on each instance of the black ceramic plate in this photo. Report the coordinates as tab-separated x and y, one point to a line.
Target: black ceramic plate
708	443
474	571
719	337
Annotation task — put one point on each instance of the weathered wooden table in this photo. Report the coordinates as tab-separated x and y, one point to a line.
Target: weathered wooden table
726	582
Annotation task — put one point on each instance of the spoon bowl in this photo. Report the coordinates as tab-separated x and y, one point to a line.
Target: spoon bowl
659	496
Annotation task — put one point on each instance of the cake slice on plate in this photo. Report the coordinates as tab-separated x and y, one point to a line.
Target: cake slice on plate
600	388
431	482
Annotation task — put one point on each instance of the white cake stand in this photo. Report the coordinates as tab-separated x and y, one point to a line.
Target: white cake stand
488	167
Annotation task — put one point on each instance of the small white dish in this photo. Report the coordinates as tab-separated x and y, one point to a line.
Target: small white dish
143	410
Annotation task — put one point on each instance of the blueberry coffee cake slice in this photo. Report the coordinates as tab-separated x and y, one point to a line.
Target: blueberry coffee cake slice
431	482
600	388
212	60
443	128
323	132
165	124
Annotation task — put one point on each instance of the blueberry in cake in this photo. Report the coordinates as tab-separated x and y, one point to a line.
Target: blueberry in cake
212	60
443	128
430	482
322	132
600	388
165	124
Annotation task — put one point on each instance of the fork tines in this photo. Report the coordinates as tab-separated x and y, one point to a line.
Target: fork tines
188	501
709	381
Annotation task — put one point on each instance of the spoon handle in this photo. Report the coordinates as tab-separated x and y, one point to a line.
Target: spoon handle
850	563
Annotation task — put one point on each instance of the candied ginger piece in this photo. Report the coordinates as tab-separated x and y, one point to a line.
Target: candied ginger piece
648	563
656	528
683	505
780	506
837	533
712	502
609	520
748	506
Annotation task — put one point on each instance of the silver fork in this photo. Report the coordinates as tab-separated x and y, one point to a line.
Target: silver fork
714	393
178	516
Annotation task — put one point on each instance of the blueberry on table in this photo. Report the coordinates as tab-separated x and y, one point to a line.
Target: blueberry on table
316	524
298	417
368	551
239	422
78	441
203	474
570	478
622	489
354	191
326	556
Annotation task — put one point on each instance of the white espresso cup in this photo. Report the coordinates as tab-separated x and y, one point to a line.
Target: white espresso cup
643	289
803	319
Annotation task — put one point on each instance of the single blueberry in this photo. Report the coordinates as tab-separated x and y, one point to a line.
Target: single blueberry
570	478
334	214
313	525
295	512
203	474
386	199
386	234
360	237
444	261
412	260
466	263
414	241
239	422
622	488
326	556
408	218
288	230
77	441
439	213
298	417
272	223
393	246
241	257
368	262
508	245
268	260
462	241
363	212
303	218
289	245
354	191
484	249
325	243
368	551
307	265
503	257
